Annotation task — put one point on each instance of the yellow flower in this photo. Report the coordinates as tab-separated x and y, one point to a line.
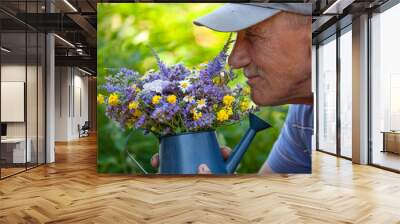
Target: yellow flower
217	80
229	111
113	100
197	115
137	113
228	100
215	106
246	90
129	124
156	99
222	115
244	105
171	99
134	86
100	99
133	105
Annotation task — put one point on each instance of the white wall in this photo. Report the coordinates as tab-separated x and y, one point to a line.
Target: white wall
12	73
71	93
80	89
62	81
12	101
16	73
33	126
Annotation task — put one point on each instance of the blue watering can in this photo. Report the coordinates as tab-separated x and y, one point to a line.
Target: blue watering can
183	153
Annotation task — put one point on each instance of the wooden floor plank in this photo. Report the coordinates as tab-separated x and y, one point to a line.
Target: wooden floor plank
70	191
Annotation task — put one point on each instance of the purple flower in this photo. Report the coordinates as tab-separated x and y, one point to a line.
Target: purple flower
163	68
140	122
165	112
218	63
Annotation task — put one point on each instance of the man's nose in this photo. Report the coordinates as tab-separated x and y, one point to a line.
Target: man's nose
239	56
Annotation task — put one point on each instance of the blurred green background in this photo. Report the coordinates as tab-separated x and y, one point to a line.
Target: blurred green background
124	32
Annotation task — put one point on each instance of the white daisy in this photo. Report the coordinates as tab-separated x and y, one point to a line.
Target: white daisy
201	104
184	85
188	99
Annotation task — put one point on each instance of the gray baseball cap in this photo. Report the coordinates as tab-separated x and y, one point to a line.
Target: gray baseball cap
233	17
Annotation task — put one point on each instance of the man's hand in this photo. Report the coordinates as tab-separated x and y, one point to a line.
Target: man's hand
202	169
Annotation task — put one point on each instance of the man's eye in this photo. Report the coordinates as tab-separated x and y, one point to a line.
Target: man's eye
252	34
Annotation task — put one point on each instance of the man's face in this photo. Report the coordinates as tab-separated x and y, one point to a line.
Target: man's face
276	57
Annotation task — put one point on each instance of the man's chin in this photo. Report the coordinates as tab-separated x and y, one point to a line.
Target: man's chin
265	101
262	101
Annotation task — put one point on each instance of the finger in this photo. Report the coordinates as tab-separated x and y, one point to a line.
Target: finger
226	151
203	169
155	160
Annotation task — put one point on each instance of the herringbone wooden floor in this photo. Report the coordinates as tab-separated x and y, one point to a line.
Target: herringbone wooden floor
70	191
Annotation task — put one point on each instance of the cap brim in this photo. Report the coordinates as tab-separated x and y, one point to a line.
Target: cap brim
235	17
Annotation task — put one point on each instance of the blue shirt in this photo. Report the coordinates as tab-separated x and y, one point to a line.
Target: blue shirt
291	153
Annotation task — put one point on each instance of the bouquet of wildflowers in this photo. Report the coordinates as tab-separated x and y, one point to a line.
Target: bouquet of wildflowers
176	99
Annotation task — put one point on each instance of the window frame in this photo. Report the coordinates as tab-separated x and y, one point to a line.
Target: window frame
333	37
379	10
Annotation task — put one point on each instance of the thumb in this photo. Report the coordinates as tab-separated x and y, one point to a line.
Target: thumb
203	169
155	159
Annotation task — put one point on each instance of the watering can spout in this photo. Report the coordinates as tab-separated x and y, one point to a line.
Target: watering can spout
256	125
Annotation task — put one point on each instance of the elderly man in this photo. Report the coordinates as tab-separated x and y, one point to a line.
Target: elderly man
273	46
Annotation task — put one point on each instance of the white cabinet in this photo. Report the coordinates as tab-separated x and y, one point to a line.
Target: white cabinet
18	149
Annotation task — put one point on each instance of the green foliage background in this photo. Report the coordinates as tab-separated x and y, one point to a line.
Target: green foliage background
125	30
